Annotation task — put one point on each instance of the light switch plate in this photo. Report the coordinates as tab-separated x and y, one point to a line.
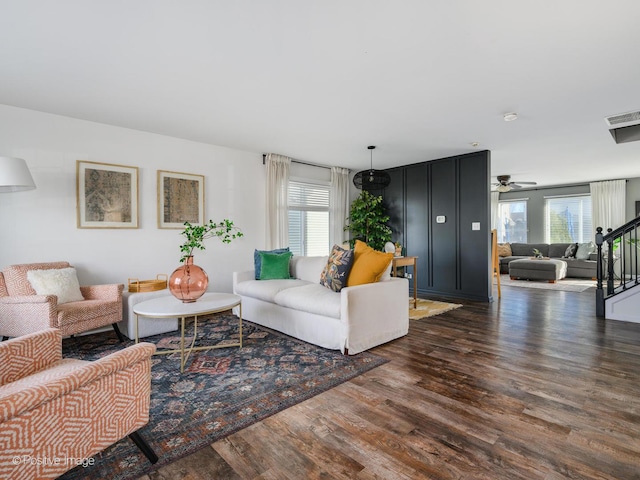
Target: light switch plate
475	225
441	219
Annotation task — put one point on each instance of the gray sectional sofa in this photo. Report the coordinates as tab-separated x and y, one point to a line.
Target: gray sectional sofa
576	268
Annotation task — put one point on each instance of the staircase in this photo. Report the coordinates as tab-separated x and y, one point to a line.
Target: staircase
618	267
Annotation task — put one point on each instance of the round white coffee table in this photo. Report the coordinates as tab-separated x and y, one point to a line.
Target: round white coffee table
171	307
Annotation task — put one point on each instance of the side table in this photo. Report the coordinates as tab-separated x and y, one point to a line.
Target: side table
146	328
407	262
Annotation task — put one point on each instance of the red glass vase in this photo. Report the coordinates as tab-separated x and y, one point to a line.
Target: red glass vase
188	282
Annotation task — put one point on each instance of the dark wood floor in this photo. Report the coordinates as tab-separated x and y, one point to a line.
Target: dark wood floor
532	386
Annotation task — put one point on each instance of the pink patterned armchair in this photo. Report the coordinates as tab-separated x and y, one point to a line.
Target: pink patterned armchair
54	409
23	311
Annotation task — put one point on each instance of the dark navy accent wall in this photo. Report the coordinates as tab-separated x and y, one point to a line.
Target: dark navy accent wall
454	259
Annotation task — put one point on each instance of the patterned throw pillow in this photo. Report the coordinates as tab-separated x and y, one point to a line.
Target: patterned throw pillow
571	250
504	250
336	271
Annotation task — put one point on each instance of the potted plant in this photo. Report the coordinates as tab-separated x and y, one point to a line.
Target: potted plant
189	282
197	234
367	221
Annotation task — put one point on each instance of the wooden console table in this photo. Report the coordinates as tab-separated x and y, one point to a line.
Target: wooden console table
407	262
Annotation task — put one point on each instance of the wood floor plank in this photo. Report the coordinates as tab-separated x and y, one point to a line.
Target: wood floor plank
532	386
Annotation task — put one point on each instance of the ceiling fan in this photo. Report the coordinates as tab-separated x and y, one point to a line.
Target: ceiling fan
504	185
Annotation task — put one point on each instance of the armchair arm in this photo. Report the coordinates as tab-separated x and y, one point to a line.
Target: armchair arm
111	292
28	299
24	314
28	354
31	397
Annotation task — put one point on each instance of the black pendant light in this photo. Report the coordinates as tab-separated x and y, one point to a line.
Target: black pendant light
371	179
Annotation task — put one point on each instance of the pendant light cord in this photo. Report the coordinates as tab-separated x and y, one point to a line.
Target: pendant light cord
371	147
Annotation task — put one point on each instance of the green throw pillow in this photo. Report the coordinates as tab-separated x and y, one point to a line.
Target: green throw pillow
257	263
275	265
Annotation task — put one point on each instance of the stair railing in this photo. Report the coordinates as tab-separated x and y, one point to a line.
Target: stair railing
616	247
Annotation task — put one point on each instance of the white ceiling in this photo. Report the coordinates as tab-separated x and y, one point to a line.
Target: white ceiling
321	80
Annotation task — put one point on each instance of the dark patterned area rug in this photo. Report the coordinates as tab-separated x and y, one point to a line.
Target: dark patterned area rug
220	392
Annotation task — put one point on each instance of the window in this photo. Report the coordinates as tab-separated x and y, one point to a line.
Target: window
512	221
568	219
308	218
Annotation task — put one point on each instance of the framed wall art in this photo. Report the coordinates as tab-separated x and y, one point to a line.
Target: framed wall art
180	199
107	195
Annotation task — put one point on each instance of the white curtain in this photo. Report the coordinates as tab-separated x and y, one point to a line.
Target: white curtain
495	197
608	204
338	204
277	214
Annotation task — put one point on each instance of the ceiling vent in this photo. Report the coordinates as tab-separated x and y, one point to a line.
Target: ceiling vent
624	127
623	119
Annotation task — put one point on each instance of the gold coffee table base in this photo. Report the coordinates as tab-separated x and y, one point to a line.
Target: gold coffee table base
171	307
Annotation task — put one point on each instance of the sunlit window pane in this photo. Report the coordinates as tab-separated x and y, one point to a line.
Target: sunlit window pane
308	218
568	219
512	222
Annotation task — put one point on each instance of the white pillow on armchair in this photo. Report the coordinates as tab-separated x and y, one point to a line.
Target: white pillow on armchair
61	282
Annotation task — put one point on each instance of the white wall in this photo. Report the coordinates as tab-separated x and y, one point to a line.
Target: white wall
40	225
633	196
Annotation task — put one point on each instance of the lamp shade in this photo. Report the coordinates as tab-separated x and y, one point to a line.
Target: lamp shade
371	179
15	175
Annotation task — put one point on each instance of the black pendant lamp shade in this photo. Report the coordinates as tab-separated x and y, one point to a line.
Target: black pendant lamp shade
371	179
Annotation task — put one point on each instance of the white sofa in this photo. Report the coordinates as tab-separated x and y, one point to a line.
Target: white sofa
353	320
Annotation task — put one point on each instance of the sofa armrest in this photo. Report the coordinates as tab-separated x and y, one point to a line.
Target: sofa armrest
242	277
112	292
373	310
31	397
22	356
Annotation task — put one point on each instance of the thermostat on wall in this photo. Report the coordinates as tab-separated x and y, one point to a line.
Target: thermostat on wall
441	219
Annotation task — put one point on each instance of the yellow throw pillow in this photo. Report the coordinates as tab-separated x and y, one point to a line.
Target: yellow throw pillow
368	265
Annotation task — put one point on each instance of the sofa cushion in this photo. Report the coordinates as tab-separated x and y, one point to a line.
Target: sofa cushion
307	268
274	265
581	268
61	282
526	249
368	265
311	298
86	312
266	290
336	271
504	250
556	250
257	262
